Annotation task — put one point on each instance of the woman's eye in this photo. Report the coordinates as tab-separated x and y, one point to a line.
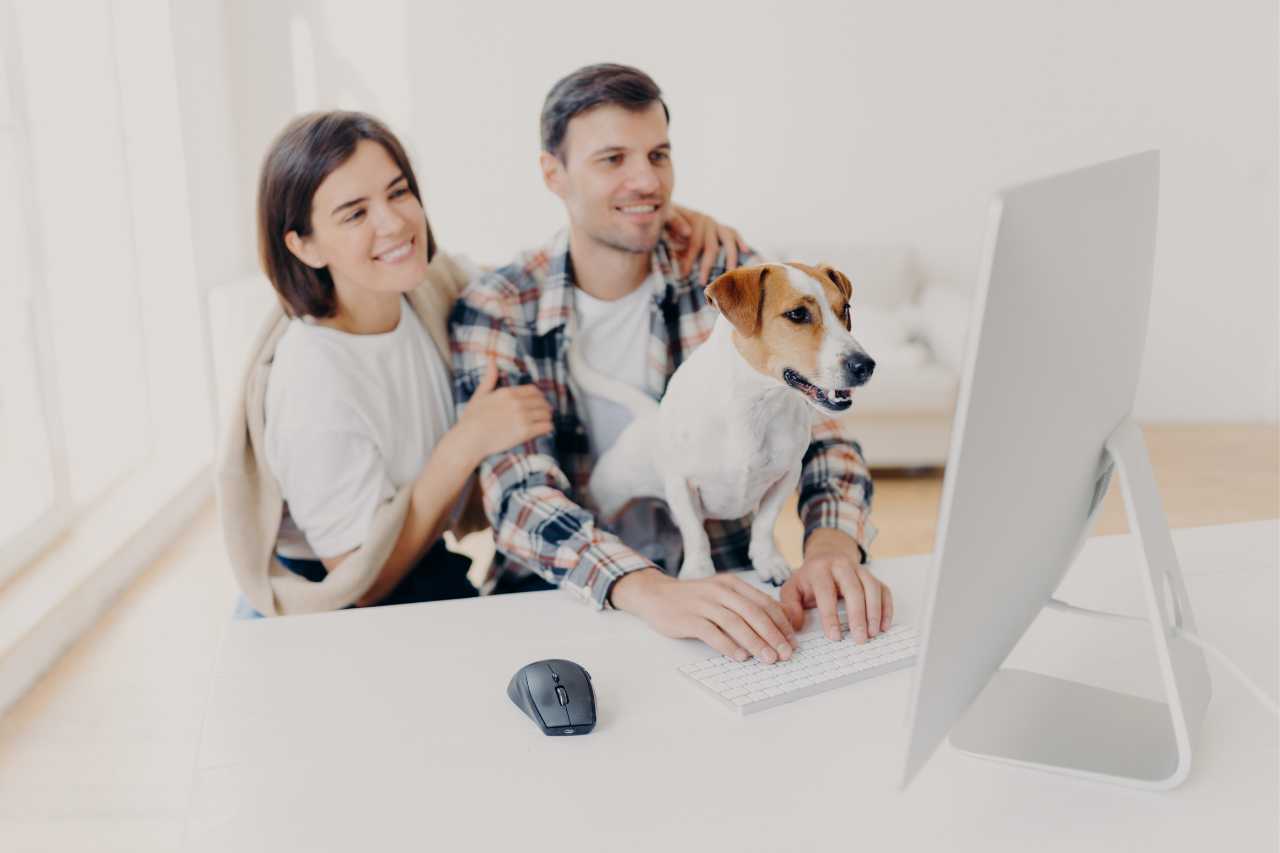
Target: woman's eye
658	156
355	215
798	315
613	159
400	192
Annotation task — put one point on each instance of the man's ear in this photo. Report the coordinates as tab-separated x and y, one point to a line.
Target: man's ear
739	296
303	250
839	279
552	172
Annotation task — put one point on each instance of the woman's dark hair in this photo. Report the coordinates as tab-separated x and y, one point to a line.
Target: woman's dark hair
302	156
591	87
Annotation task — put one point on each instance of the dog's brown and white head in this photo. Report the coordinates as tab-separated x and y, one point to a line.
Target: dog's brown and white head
792	322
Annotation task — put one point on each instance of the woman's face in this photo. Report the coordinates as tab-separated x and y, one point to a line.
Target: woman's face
368	228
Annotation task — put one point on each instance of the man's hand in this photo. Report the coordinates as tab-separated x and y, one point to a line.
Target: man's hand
724	611
831	570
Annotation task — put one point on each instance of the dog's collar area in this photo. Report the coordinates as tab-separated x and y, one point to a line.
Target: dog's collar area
835	401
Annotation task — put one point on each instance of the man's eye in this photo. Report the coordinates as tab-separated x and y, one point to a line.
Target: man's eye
659	156
798	315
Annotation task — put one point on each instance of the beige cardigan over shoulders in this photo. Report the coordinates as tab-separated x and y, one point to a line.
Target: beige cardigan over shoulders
249	501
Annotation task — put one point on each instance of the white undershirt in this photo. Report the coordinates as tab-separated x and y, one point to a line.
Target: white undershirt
613	338
349	420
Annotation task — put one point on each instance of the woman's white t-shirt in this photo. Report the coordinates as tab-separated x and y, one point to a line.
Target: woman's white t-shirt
349	420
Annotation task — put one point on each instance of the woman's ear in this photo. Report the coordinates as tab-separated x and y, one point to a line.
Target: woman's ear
304	250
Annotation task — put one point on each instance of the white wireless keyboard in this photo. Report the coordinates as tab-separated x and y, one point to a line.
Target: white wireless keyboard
816	665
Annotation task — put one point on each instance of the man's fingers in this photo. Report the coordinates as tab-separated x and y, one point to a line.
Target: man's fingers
708	633
742	633
854	600
824	593
874	591
771	607
792	603
770	623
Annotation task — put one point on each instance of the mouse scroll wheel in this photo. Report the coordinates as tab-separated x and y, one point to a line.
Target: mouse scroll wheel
562	695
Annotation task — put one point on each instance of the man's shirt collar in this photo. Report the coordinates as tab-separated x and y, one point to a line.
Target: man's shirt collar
555	300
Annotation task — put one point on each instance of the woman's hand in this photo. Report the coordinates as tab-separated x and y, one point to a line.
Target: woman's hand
500	418
692	233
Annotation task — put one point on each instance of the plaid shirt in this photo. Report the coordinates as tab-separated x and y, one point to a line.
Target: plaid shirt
519	317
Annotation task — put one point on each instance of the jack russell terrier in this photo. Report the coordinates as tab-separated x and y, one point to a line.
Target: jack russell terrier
729	435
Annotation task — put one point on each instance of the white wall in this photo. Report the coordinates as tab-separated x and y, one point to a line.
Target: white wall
863	121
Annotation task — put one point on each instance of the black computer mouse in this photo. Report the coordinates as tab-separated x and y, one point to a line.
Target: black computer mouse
557	696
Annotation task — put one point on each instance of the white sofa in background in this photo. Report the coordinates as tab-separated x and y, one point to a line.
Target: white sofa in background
915	332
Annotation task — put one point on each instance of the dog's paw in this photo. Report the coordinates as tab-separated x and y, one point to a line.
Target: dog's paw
695	568
770	565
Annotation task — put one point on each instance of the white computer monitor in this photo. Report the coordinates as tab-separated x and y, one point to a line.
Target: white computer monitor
1044	413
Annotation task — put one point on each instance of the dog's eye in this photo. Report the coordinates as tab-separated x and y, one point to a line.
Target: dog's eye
845	315
798	315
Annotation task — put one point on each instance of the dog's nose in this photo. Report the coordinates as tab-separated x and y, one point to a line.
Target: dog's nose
858	368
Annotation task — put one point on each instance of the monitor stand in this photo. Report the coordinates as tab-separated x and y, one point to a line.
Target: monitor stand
1035	720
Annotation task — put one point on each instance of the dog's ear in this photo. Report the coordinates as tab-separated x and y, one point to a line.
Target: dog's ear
739	296
839	279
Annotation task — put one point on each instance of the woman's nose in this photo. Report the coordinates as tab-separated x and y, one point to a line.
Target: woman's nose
386	219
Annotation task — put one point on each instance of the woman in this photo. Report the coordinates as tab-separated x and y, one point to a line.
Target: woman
346	462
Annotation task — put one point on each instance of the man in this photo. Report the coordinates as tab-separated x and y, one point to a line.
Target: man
609	284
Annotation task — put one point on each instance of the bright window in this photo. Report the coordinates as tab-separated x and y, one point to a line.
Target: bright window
103	372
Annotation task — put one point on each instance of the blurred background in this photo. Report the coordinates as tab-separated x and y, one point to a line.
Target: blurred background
867	134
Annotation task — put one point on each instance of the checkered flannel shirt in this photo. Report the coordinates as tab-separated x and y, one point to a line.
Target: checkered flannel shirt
519	317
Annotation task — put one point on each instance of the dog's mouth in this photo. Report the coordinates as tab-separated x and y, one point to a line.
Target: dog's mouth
836	400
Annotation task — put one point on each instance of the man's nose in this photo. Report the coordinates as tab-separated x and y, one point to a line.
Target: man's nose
643	179
858	368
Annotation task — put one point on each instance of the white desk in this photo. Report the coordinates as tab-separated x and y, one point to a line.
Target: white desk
389	729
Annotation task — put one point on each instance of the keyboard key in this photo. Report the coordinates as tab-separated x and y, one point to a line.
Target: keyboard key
816	665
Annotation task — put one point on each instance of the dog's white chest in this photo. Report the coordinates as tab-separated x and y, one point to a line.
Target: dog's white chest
750	454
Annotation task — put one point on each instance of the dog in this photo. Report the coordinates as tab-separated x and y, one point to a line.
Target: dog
731	431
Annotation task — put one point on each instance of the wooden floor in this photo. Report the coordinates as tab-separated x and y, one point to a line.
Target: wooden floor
1206	475
100	755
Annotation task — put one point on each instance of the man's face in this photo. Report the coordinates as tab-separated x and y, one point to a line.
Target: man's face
616	178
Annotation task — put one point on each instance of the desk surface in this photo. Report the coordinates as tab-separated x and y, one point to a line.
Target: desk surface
390	729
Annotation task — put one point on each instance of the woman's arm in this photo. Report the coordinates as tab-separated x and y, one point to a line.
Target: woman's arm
503	418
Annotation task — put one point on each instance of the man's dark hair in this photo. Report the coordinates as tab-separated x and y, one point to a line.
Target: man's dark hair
588	88
299	160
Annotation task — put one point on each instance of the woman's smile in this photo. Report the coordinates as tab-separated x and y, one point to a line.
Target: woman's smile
397	253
